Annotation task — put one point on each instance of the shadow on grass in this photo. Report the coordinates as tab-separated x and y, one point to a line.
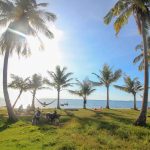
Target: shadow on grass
113	116
5	124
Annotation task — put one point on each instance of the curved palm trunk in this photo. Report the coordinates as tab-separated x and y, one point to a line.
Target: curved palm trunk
107	106
17	98
33	100
134	101
84	103
58	99
141	121
11	113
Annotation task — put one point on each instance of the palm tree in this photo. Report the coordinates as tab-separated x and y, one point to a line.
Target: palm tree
20	18
35	83
20	84
122	10
106	78
85	89
131	86
60	80
140	57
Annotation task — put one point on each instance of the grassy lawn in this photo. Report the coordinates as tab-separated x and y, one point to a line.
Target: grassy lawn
82	130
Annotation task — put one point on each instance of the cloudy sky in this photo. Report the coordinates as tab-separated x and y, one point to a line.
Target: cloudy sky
83	43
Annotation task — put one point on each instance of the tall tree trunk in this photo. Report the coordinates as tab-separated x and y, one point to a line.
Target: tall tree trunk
58	99
134	101
17	98
141	121
33	100
11	114
107	106
84	103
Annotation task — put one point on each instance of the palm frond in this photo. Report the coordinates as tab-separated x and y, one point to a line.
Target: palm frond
138	58
123	9
139	47
22	18
131	85
75	92
122	19
85	88
96	75
121	88
60	78
107	76
117	74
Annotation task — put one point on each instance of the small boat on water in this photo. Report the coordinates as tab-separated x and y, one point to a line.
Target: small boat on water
65	104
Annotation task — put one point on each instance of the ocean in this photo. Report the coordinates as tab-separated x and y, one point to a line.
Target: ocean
72	103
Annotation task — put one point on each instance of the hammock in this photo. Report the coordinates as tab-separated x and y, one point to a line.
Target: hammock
44	104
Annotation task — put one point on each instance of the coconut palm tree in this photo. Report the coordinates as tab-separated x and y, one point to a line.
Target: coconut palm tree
20	84
85	89
140	57
121	12
19	19
106	78
131	86
35	83
60	80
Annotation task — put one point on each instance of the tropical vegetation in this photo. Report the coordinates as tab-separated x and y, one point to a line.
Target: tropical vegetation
20	19
106	77
60	80
83	129
19	83
85	89
132	86
35	83
121	12
140	57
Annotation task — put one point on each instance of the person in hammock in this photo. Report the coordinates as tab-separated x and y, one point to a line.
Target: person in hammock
44	104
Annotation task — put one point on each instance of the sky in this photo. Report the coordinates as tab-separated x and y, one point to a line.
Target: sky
82	43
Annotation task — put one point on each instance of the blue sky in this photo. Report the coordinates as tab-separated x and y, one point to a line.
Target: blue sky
89	43
84	44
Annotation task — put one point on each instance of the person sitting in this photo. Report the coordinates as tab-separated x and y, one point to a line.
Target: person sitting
36	117
53	117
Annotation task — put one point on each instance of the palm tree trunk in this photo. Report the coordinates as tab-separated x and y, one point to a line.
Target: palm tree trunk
134	101
33	100
17	98
107	106
58	99
141	121
84	103
11	114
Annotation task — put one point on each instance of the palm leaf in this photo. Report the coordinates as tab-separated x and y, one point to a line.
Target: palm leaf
138	58
121	88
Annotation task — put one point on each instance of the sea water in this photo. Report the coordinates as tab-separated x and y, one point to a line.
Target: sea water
76	103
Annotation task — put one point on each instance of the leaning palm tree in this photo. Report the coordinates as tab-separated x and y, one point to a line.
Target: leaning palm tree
140	57
20	18
20	84
60	79
85	89
122	10
106	78
131	86
35	83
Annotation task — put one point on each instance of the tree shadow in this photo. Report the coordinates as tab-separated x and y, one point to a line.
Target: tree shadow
117	117
6	124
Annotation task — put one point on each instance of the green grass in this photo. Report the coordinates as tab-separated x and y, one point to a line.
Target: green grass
82	130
